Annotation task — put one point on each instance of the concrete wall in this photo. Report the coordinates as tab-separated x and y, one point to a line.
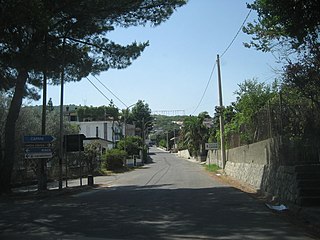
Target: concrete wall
259	165
184	154
106	130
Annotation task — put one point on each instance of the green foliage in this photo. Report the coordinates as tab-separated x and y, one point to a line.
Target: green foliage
163	143
48	31
291	29
140	115
212	168
101	113
91	154
195	134
114	159
251	96
239	118
293	23
131	144
167	123
51	39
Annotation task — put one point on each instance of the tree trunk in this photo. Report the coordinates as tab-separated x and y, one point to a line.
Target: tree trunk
7	161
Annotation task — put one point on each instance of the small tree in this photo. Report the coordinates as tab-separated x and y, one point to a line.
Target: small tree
92	153
131	144
114	159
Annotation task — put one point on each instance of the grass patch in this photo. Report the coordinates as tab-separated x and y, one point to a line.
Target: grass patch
212	168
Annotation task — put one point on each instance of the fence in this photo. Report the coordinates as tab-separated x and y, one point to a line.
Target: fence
298	125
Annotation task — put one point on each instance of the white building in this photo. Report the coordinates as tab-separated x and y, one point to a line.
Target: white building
110	131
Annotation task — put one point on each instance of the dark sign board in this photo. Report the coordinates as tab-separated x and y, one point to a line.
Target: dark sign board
73	142
38	139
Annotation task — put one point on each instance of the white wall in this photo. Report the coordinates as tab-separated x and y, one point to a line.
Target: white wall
89	129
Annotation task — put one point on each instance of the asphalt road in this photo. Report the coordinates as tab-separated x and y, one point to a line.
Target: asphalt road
170	198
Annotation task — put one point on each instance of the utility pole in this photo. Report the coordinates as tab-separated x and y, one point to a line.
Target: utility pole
168	140
143	141
61	118
221	120
42	171
42	176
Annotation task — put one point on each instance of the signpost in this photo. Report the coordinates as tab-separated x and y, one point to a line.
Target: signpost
38	146
38	139
211	146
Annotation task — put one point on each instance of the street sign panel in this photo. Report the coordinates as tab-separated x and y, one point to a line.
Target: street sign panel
38	146
211	146
38	139
38	155
73	142
38	150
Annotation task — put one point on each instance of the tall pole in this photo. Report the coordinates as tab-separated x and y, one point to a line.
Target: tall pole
61	118
125	123
221	120
42	178
167	140
143	140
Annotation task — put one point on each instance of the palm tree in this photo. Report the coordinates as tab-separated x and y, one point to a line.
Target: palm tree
195	133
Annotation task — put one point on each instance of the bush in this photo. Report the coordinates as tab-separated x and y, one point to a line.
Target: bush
114	159
163	143
131	144
212	168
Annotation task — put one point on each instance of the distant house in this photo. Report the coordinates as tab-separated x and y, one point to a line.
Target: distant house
105	130
109	131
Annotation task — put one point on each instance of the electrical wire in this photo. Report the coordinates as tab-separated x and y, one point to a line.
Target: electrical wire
224	52
205	90
99	90
234	38
110	91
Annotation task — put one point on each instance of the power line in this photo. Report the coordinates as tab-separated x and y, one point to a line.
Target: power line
205	90
110	91
99	90
232	41
234	38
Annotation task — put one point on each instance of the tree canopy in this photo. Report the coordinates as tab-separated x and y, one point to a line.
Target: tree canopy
291	29
296	23
41	39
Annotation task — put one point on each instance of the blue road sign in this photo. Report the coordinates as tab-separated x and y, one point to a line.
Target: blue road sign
38	139
38	150
38	155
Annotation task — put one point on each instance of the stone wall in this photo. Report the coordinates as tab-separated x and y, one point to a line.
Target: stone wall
184	154
259	165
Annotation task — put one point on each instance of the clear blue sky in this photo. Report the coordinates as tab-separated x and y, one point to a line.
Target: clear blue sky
172	73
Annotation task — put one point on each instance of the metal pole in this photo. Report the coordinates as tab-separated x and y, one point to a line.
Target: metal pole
61	119
42	178
223	151
80	162
42	181
143	140
125	129
174	139
167	140
66	159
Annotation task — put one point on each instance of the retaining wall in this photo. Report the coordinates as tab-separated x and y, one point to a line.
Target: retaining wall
184	154
259	165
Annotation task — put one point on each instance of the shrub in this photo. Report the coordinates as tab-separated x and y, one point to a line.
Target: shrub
163	143
114	159
131	144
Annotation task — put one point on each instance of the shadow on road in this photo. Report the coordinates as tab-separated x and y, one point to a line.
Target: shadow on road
149	212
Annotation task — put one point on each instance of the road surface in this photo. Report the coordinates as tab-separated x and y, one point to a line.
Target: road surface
170	198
